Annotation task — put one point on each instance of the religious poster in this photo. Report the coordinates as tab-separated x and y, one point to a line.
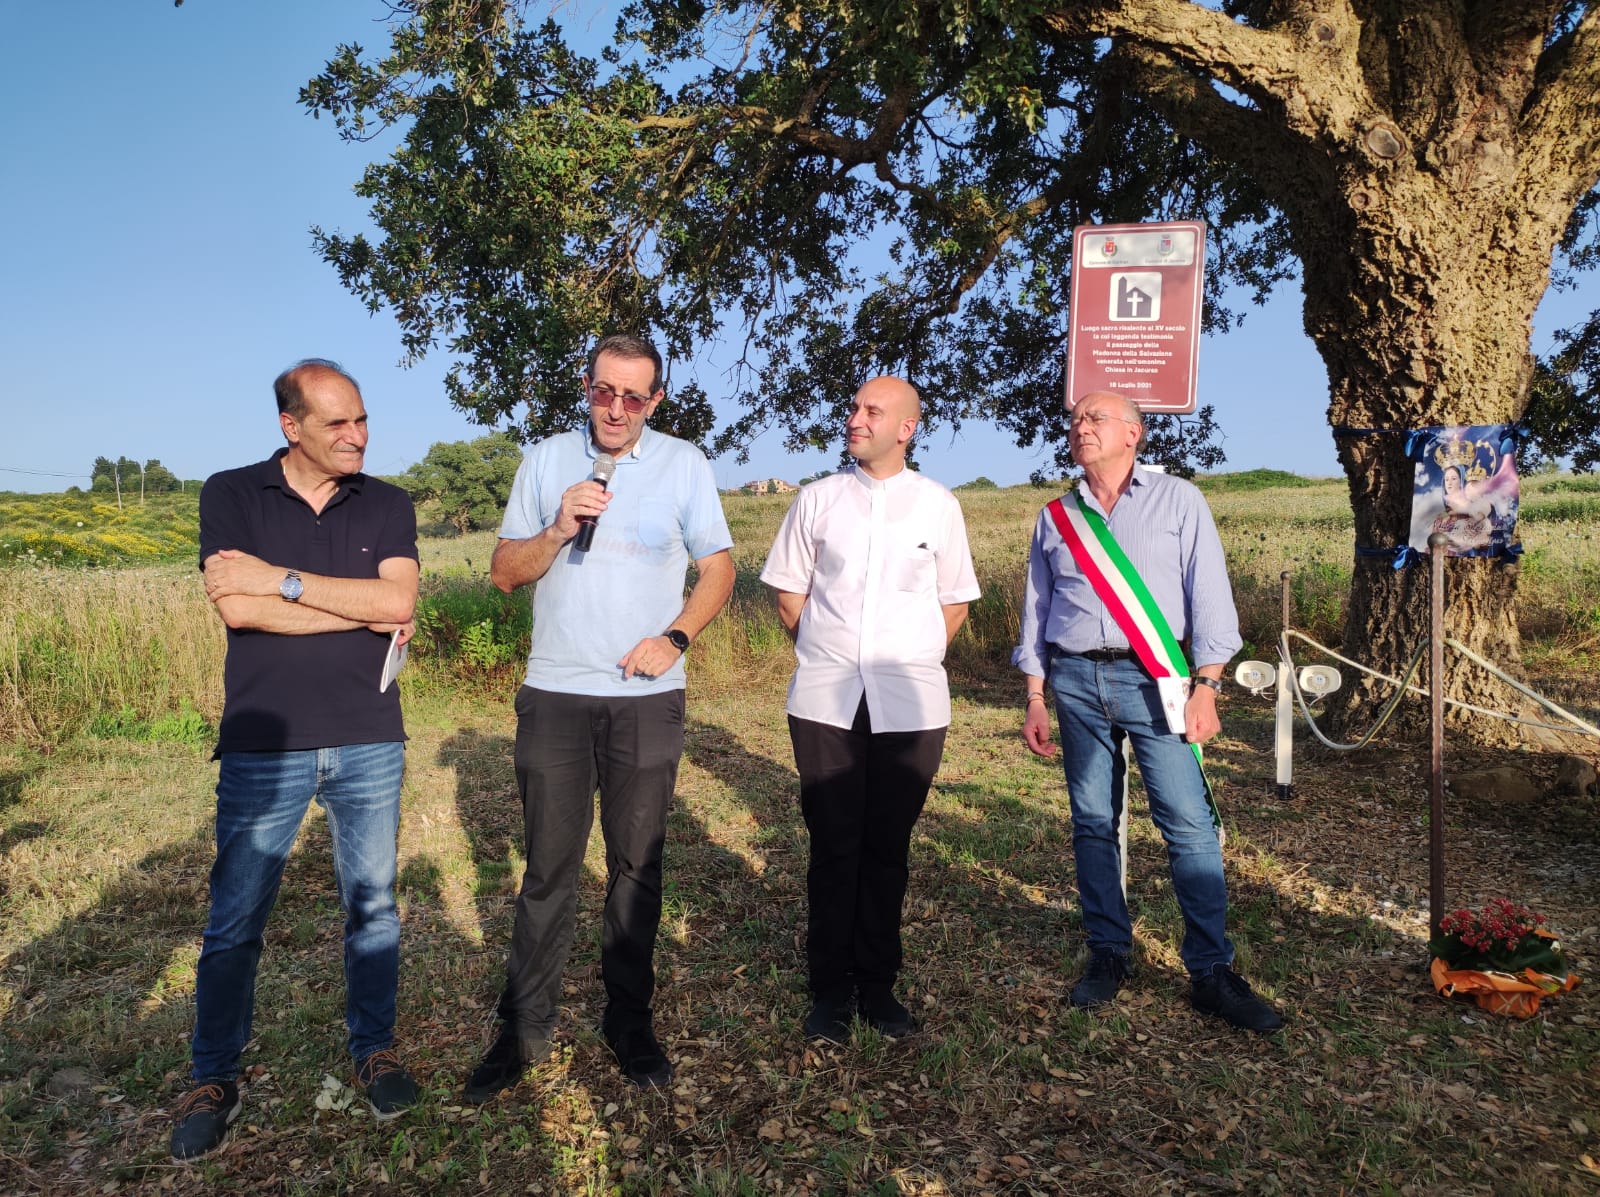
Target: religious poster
1466	487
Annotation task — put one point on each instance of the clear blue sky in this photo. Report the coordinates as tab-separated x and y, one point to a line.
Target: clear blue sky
157	269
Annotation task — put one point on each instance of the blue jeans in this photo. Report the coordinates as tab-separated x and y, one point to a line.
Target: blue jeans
262	798
1100	705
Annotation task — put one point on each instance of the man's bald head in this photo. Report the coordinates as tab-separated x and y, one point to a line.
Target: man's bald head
883	419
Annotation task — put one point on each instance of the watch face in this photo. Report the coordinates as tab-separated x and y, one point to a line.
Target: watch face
291	588
680	640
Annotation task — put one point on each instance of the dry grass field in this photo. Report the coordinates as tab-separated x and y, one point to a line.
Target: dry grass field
108	681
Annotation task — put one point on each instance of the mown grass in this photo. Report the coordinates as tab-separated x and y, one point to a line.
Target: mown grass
105	804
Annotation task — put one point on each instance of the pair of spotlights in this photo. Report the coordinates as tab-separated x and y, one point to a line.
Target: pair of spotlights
1318	680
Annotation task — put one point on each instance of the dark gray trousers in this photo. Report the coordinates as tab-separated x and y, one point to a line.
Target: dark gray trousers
860	792
569	745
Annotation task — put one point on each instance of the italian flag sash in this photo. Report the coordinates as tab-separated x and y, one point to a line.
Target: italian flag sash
1118	585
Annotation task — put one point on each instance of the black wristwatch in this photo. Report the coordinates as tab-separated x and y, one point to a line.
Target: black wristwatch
679	638
1208	681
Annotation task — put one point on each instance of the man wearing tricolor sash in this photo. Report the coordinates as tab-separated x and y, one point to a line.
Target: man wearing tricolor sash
1120	571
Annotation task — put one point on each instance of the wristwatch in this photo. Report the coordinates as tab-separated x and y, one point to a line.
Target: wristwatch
1207	681
291	588
679	639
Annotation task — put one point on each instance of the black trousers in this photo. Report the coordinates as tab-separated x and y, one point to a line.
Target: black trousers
568	745
860	793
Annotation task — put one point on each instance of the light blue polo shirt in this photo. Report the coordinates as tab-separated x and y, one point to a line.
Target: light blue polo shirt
590	608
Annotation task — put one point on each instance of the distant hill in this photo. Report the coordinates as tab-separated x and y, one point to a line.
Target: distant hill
1255	480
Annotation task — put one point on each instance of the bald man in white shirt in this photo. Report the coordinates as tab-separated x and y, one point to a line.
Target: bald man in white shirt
873	578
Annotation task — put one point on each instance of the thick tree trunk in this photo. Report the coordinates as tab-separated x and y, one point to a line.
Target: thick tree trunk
1388	620
1430	327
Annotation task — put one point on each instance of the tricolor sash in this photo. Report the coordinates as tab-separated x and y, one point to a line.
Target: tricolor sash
1118	585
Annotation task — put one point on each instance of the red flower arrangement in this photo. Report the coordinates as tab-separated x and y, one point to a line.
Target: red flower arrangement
1500	957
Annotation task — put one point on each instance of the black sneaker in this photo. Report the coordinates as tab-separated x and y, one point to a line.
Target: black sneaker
829	1019
884	1013
642	1060
1100	981
203	1115
1227	995
502	1065
390	1089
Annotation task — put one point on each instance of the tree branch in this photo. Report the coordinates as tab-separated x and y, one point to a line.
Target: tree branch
1562	121
1257	62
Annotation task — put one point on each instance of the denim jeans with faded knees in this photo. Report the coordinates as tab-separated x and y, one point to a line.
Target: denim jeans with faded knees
262	797
1098	705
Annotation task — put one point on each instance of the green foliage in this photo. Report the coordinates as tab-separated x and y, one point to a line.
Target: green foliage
470	627
979	483
539	197
183	726
470	481
152	476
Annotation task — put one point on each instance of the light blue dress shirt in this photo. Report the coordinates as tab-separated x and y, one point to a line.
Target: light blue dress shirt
1166	529
590	608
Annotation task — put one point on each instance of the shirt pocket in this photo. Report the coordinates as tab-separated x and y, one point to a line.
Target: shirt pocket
914	569
659	529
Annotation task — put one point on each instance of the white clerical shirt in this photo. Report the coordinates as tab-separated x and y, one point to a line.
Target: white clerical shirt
878	560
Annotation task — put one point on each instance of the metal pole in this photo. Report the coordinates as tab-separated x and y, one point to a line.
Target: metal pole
1283	723
1436	558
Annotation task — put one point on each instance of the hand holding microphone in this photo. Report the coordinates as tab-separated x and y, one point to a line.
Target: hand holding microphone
605	466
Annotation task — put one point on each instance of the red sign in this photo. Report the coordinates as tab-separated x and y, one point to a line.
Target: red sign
1136	291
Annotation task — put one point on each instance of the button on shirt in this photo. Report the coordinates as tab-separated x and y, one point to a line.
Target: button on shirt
591	607
1166	529
879	559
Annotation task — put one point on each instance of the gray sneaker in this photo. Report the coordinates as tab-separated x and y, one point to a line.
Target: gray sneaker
390	1089
1100	981
1226	995
202	1116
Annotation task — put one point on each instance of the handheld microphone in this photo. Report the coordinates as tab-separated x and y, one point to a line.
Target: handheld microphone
605	466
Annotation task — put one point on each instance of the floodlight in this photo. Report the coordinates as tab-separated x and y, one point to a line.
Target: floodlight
1255	676
1319	679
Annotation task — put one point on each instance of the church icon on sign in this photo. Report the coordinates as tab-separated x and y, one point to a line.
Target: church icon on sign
1136	295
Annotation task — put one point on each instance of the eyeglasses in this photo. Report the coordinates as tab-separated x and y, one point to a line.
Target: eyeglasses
601	395
1096	418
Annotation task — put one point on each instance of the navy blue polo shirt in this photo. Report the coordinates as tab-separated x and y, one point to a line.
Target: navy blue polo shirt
287	693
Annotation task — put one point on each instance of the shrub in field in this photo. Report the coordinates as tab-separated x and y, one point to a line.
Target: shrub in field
467	626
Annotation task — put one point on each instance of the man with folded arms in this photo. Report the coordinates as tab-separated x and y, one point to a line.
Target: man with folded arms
1106	696
873	579
313	567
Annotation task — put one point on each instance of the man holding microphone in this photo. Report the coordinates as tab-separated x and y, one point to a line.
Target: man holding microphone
603	704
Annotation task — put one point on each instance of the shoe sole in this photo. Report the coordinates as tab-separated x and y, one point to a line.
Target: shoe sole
488	1092
654	1080
381	1116
221	1139
896	1031
1225	1021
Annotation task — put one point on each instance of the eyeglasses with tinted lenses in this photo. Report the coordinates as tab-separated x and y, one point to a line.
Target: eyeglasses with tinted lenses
601	395
1095	418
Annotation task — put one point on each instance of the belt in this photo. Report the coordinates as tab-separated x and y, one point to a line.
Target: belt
1105	654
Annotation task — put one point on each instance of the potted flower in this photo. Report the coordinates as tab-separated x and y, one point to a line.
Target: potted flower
1500	957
